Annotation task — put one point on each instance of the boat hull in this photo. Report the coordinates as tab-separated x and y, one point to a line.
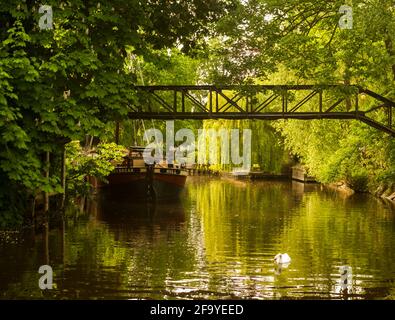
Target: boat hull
168	186
132	183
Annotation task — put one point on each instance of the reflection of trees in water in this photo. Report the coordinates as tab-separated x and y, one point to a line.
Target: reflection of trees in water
319	229
136	246
223	242
23	253
116	249
232	216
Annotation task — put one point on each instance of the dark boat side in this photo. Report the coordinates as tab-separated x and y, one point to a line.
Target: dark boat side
169	182
134	179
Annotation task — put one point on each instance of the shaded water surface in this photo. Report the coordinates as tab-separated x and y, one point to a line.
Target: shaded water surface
218	241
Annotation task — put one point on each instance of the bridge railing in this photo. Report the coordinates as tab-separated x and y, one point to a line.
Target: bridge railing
265	102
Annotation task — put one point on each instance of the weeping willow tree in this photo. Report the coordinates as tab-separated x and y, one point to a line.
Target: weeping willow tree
267	150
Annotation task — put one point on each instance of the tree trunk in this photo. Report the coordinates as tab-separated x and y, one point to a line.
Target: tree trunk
391	52
46	243
347	82
33	209
117	132
63	177
46	195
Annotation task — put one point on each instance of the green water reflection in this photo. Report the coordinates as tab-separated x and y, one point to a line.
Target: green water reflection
217	242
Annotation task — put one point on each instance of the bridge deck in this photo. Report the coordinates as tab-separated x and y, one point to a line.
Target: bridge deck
273	102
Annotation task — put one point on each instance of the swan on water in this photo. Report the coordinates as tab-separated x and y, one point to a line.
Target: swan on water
282	258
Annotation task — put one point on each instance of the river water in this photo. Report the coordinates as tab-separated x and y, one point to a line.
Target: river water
217	242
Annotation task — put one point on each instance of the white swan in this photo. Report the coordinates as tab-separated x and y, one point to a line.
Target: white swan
345	280
282	258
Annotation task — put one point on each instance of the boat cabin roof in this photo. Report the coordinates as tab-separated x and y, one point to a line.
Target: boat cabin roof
136	152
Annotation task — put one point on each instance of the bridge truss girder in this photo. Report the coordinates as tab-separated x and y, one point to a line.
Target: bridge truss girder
265	102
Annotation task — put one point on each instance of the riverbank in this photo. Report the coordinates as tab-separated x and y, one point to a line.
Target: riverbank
340	187
384	192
